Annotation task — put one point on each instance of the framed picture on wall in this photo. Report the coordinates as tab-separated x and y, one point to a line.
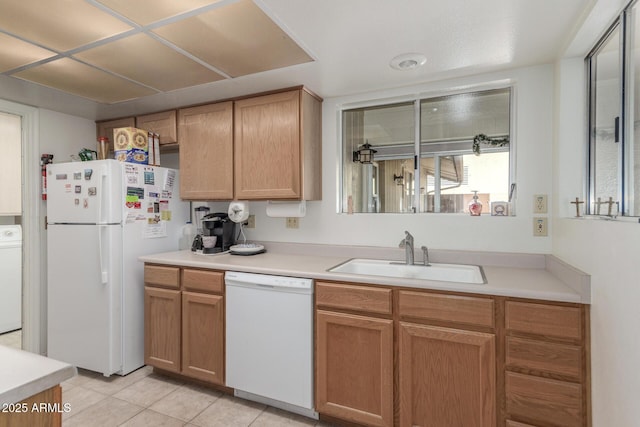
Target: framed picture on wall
499	208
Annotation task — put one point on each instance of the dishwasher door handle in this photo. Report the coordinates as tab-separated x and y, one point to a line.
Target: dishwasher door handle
268	282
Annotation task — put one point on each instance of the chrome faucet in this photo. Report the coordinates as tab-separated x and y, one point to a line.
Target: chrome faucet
407	244
425	256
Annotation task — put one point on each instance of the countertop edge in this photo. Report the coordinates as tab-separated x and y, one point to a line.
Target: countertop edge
37	386
576	279
563	282
54	373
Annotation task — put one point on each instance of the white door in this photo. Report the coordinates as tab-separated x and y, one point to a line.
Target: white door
85	192
84	296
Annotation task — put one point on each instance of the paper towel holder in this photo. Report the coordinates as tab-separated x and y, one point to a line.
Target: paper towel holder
285	209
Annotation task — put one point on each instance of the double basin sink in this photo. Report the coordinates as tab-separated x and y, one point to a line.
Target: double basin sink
459	273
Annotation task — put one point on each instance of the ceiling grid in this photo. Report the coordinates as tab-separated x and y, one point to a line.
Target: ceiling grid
112	51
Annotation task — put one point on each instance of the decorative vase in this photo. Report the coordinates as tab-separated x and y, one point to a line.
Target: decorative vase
475	207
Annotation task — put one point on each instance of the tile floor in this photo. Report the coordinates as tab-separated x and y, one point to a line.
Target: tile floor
144	398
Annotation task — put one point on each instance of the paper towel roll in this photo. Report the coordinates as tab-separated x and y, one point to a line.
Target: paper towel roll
286	209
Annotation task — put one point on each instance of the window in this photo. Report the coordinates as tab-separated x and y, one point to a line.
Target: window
614	120
10	164
423	159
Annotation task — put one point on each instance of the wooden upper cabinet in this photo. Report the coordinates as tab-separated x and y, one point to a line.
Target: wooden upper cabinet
278	140
106	129
206	152
163	123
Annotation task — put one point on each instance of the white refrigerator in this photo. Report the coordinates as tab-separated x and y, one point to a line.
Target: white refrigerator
101	216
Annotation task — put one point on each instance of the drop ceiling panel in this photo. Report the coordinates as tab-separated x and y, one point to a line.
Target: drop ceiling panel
15	53
238	39
146	60
59	24
80	79
145	12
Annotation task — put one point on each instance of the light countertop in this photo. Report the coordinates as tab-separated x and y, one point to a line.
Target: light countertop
536	277
24	374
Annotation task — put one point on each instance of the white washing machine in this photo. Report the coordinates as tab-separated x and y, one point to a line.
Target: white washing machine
11	274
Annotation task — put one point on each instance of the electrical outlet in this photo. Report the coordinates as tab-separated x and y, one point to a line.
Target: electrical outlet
539	226
540	203
251	222
292	222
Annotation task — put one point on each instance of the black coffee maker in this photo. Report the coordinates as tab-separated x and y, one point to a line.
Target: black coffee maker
219	225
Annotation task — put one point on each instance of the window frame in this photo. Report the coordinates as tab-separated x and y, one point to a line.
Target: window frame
623	23
416	99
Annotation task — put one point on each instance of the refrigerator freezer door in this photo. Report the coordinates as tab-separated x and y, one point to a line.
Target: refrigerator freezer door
85	192
84	296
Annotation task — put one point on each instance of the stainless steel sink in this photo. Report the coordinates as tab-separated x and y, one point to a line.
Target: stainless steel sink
460	273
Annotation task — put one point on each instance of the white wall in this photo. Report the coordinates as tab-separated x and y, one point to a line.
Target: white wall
606	250
533	139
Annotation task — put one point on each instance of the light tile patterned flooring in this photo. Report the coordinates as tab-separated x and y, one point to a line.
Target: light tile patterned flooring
145	399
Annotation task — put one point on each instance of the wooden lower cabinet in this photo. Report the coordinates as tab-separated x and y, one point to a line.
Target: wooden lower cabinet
203	336
446	377
546	364
544	401
162	318
184	329
354	377
52	417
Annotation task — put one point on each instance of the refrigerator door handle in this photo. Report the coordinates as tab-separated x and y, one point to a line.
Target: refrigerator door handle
103	193
103	270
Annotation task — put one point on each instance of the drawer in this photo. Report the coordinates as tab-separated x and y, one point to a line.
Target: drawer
544	400
562	359
162	276
350	297
447	308
544	319
202	280
517	424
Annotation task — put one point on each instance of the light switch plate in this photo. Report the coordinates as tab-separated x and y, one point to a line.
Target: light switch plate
539	226
540	203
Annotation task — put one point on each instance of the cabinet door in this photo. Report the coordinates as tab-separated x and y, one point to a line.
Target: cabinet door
162	328
163	123
106	129
267	147
202	336
354	372
446	377
206	152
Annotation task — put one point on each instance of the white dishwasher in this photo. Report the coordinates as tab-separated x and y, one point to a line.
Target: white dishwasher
269	340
